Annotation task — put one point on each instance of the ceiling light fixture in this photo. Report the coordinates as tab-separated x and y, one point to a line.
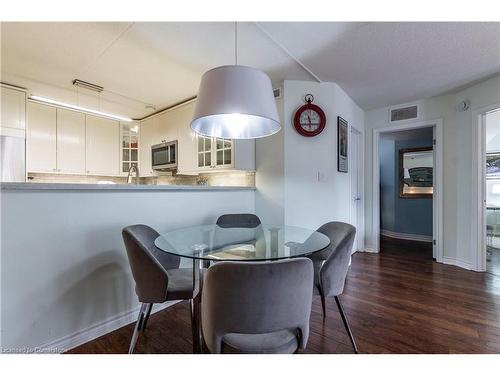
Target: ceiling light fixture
76	107
87	85
235	102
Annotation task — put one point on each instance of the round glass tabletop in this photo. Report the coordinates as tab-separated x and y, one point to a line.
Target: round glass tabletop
263	242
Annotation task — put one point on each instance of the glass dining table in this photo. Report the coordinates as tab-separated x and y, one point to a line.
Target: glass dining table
204	244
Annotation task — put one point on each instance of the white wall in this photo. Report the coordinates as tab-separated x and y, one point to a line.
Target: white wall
269	179
64	266
309	202
458	165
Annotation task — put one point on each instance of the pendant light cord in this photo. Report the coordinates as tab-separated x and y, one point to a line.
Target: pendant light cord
236	43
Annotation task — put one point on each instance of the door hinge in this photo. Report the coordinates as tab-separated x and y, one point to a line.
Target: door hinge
434	142
433	242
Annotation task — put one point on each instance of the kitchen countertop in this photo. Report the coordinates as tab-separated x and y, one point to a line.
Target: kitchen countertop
115	187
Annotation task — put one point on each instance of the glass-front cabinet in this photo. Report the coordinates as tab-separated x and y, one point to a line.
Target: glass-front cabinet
215	153
129	137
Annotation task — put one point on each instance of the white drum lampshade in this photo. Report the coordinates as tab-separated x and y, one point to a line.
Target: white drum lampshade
235	102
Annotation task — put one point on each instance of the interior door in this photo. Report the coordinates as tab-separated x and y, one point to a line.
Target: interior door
356	172
434	200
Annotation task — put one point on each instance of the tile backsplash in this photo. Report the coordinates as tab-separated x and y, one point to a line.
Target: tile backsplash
73	179
227	178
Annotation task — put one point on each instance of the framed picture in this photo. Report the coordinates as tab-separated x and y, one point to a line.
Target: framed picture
493	165
342	134
415	172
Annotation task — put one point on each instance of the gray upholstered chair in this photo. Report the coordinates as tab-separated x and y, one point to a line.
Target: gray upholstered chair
249	222
331	265
257	307
238	221
157	275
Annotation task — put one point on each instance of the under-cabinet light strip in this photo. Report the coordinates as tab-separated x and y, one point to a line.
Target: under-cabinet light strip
71	106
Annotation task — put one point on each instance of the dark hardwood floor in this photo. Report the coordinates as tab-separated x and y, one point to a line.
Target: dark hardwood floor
398	301
493	261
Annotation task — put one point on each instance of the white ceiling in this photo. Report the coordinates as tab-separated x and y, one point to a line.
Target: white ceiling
377	64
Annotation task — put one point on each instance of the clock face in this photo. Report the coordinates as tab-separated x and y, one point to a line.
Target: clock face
309	120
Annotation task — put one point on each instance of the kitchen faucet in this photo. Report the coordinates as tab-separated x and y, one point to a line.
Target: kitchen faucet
132	168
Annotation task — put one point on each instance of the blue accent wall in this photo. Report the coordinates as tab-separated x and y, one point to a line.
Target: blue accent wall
411	216
387	188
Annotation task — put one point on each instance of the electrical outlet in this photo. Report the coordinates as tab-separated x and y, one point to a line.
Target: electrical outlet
320	176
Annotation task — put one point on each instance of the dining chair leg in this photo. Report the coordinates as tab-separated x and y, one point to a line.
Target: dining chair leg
346	324
323	305
146	316
137	328
194	326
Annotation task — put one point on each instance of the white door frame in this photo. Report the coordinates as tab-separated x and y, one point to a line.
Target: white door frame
478	238
361	185
438	181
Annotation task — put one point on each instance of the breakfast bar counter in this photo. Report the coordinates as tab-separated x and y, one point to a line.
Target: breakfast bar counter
116	187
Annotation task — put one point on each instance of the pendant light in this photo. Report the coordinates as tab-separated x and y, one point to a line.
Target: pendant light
235	102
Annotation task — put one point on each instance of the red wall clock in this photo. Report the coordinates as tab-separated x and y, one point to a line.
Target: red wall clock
309	120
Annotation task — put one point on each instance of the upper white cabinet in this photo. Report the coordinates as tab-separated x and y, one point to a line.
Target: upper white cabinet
102	146
70	141
13	108
166	128
65	141
129	140
215	153
169	126
196	153
244	154
186	137
146	139
41	138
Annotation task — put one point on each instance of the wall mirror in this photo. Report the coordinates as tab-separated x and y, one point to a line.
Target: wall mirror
415	172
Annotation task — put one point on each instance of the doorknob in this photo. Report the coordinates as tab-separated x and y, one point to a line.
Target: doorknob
357	199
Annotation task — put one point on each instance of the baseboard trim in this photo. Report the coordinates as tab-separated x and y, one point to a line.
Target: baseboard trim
406	236
73	340
367	250
459	263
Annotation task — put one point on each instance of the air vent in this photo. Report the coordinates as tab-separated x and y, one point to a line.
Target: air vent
277	93
404	113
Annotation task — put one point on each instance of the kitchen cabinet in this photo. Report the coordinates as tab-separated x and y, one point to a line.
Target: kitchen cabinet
186	163
70	140
198	154
129	146
13	108
214	153
169	126
166	128
147	131
102	146
244	154
41	138
225	154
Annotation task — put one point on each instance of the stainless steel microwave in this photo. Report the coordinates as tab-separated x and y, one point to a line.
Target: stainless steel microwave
164	156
